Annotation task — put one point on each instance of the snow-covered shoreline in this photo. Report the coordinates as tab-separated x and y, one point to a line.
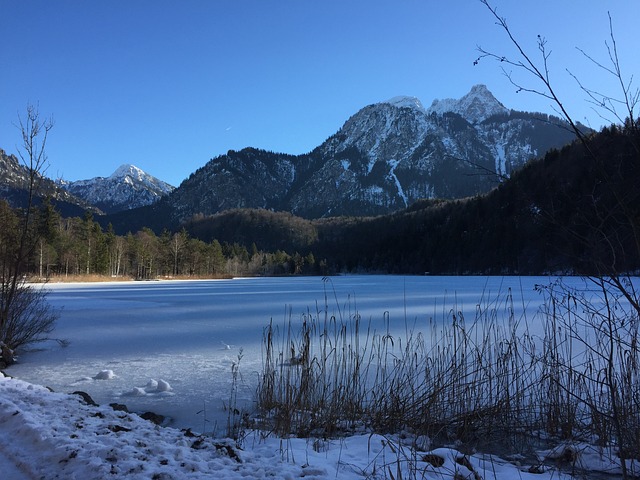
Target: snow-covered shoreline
53	435
48	435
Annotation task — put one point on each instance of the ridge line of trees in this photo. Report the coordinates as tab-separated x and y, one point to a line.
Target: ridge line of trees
73	246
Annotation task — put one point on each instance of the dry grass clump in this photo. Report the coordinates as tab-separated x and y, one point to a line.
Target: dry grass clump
489	383
453	380
88	278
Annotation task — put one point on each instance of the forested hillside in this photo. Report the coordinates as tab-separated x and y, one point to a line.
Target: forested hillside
572	211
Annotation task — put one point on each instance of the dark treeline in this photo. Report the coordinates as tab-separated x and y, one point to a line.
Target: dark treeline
74	246
572	211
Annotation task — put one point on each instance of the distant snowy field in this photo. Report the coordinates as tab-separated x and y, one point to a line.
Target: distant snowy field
125	337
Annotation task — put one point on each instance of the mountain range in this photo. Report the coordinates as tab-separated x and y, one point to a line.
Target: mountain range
384	158
127	188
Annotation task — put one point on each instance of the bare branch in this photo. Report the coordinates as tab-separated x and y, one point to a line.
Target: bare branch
600	102
540	72
630	98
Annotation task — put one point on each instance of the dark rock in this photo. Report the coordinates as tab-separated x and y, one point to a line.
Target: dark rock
153	417
435	460
198	443
86	398
119	407
118	428
536	469
228	450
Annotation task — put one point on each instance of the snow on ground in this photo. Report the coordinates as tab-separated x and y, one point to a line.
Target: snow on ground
46	435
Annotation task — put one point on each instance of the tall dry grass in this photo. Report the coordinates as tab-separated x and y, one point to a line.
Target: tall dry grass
492	382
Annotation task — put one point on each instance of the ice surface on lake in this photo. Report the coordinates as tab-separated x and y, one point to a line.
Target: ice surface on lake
169	346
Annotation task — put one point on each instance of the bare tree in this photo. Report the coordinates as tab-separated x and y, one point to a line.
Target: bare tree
621	107
25	316
178	243
606	322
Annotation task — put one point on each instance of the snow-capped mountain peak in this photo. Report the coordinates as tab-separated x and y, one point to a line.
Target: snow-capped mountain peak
128	170
126	188
476	106
404	101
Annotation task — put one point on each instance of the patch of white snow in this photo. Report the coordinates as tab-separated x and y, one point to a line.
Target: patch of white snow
163	386
404	101
53	435
501	159
392	174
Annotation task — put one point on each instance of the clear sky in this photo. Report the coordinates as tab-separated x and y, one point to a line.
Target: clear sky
168	85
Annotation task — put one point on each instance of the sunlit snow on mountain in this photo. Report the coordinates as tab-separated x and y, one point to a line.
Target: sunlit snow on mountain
126	188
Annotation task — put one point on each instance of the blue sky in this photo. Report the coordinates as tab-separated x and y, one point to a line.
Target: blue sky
168	85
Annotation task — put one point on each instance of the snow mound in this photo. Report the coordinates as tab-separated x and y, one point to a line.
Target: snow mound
153	387
163	386
135	392
53	435
83	380
105	375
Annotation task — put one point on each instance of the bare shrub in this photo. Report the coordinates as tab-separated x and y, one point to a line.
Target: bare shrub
25	315
600	381
30	319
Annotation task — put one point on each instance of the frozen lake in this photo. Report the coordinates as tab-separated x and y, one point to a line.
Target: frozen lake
189	333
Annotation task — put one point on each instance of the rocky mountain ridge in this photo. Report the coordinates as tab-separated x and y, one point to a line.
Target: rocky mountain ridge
476	106
384	158
127	188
